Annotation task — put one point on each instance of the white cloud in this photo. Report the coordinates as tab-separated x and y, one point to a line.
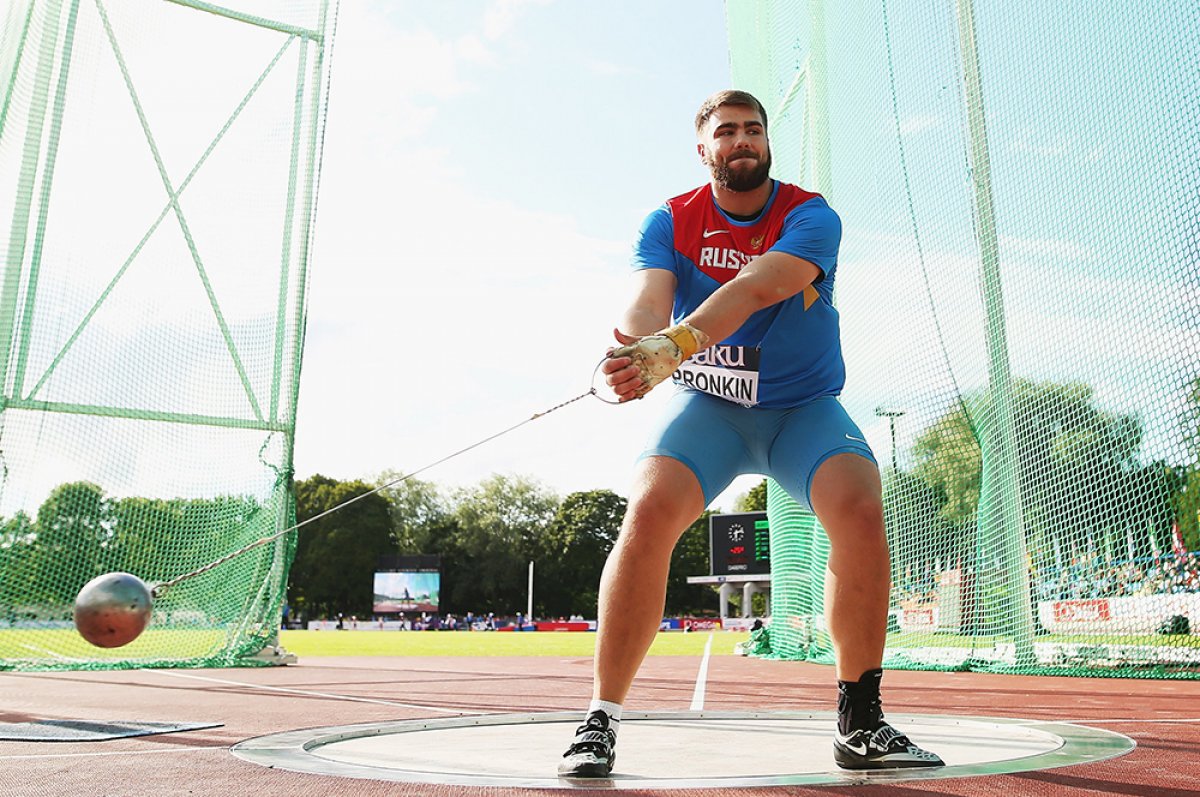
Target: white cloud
919	123
1067	319
501	16
373	59
1058	145
471	48
1036	142
437	315
609	68
488	315
1057	249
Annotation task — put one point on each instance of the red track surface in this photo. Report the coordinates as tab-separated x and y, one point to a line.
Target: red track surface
1162	716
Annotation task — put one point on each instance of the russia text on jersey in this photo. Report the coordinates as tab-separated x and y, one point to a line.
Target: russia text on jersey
723	257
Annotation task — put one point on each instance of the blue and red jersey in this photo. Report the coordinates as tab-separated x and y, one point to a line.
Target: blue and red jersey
784	355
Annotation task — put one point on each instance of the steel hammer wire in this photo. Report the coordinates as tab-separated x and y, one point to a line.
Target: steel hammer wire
158	589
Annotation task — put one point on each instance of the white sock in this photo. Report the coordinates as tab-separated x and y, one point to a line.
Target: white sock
613	710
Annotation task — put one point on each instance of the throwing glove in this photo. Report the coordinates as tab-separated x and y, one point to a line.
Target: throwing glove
657	356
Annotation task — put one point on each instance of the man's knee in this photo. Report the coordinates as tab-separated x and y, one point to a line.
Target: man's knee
656	510
846	489
861	511
666	499
855	528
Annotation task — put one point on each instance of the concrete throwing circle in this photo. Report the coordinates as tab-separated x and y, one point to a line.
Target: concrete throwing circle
668	750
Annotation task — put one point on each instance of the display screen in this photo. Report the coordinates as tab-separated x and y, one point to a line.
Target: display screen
406	592
740	544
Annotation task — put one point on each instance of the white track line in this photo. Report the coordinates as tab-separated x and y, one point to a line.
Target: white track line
53	654
222	748
308	693
1089	721
702	676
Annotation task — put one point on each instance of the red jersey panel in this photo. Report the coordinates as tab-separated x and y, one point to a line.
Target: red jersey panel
720	249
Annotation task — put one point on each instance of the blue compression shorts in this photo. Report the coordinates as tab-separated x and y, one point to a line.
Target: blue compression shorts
719	440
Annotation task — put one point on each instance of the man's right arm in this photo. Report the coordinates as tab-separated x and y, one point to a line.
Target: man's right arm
654	281
649	309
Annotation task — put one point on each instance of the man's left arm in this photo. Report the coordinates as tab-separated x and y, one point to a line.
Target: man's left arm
806	253
769	279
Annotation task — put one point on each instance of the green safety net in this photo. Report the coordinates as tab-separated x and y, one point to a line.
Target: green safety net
158	173
1018	290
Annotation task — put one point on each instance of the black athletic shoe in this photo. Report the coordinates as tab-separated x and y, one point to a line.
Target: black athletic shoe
883	748
592	753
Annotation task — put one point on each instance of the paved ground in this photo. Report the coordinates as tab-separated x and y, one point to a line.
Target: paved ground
1162	717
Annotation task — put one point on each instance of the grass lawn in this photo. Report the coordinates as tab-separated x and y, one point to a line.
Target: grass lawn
66	645
940	640
486	643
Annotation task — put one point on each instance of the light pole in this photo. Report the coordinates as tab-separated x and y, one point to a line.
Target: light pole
891	415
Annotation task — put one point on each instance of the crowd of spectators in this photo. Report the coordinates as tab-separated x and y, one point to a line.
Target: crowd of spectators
917	585
1152	576
448	622
1162	575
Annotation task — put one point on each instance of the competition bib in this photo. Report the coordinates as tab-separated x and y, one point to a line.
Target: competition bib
728	372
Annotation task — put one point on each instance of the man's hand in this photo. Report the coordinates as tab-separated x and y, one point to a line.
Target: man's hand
639	364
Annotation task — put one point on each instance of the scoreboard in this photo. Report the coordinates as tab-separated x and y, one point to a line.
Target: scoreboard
739	544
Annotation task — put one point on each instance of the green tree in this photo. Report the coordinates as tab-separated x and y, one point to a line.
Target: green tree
1076	460
1191	421
1188	509
336	556
73	536
753	501
17	540
1187	506
160	538
572	552
423	523
148	531
948	460
421	515
17	531
1078	471
691	558
496	532
918	534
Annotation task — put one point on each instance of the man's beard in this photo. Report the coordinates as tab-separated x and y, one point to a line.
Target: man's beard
742	180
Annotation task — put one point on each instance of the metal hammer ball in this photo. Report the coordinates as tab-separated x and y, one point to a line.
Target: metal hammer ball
113	609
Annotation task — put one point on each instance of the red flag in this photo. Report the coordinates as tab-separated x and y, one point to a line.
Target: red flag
1177	542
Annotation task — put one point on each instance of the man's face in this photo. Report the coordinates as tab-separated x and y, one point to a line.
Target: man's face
733	145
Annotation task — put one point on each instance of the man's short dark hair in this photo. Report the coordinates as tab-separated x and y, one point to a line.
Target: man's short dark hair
729	97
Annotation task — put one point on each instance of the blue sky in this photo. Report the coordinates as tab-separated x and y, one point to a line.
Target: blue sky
486	167
487	164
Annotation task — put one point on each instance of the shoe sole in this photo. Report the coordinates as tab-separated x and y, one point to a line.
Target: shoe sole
587	771
855	761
